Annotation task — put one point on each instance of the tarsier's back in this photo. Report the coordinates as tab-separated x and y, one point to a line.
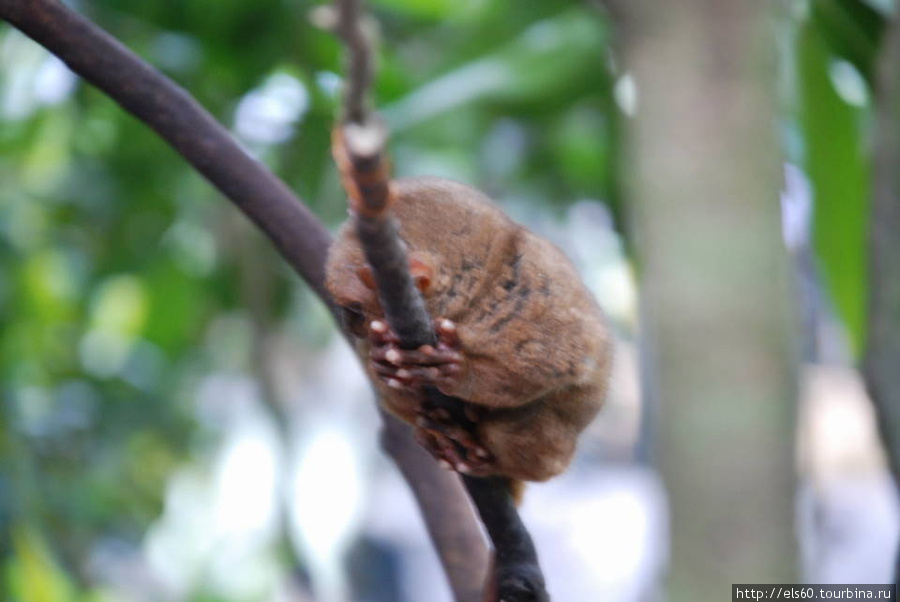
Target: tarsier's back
535	348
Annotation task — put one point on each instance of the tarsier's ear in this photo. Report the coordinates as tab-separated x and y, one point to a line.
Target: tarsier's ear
420	271
366	277
422	274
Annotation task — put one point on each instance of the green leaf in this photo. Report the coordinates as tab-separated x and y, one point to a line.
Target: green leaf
837	167
852	30
430	9
33	574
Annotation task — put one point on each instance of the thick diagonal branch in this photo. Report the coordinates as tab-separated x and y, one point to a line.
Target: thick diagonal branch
299	237
183	123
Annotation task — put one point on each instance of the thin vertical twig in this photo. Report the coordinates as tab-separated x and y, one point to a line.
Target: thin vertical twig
358	37
360	151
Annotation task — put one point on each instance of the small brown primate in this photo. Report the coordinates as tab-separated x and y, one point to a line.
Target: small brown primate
520	339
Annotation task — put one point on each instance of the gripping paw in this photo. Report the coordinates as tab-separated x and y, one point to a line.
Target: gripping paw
454	445
411	369
452	441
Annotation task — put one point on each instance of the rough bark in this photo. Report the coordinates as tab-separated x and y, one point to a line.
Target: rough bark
882	351
714	285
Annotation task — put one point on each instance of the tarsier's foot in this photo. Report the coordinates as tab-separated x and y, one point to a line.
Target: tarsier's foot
455	446
411	369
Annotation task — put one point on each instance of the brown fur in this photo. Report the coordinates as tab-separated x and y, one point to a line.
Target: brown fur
537	351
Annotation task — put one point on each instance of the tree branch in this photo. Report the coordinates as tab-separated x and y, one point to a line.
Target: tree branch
453	529
296	233
360	151
358	37
184	124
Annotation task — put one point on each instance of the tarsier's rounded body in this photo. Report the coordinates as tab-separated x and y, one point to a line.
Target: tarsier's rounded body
526	347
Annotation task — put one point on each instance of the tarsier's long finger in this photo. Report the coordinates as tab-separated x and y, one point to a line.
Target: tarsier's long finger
384	370
443	450
433	375
430	443
447	429
452	454
447	334
396	377
465	463
476	468
436	414
424	375
423	356
399	384
380	334
456	434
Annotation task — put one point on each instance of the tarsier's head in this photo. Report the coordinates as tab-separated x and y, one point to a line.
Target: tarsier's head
351	282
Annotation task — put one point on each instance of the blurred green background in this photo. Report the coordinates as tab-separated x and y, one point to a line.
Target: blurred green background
135	304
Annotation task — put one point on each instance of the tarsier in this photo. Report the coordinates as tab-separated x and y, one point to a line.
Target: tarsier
521	341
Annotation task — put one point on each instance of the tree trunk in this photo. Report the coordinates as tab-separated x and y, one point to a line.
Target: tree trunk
882	354
717	324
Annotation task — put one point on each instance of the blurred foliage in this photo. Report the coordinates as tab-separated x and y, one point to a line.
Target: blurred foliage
115	259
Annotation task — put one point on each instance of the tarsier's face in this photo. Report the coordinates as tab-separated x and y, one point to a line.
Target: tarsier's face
355	317
358	302
354	321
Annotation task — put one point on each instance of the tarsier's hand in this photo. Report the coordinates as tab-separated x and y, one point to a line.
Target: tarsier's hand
453	442
412	369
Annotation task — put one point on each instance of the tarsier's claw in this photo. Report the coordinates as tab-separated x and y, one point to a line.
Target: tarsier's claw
450	430
447	333
380	334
